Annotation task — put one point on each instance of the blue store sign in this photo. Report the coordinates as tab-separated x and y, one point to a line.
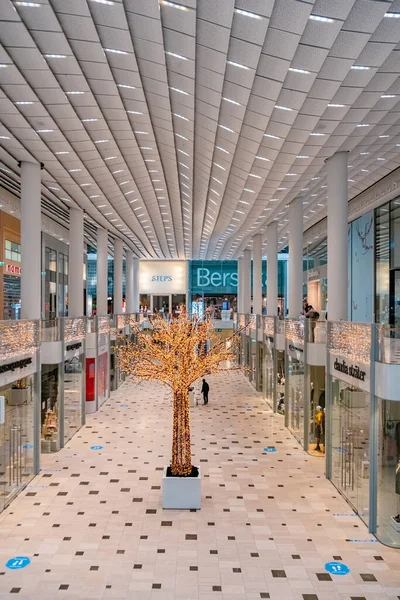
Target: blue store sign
337	568
18	562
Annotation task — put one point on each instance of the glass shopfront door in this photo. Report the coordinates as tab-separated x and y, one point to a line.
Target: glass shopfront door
16	438
350	445
161	304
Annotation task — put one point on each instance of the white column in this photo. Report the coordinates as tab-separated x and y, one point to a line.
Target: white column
136	285
272	269
102	271
257	275
296	257
117	276
31	241
129	282
337	236
239	302
246	282
75	266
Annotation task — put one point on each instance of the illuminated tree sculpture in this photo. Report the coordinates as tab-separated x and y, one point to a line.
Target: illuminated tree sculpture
174	352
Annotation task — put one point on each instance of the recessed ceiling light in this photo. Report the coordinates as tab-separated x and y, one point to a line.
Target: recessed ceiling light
318	134
24	102
44	130
181	136
128	193
182	152
263	158
74	93
388	96
246	13
124	182
384	136
231	101
114	51
281	188
84	184
134	112
102	205
336	105
392	15
66	199
173	5
146	148
55	56
29	4
176	55
219	166
124	85
255	176
179	91
363	125
149	160
180	117
74	170
321	19
283	108
364	170
249	190
303	71
238	65
108	2
360	68
101	141
141	132
269	135
110	157
222	149
54	188
381	159
363	153
119	171
4	137
89	120
226	128
244	202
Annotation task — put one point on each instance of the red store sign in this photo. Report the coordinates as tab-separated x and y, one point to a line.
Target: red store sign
13	269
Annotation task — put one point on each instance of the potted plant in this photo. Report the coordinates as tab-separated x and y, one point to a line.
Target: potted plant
176	354
19	392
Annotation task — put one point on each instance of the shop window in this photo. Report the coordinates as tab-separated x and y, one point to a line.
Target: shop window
382	265
13	251
11	297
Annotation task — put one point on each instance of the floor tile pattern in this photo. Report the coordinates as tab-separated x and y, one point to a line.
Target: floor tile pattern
93	526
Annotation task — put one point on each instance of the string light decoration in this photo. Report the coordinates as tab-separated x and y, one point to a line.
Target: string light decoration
175	353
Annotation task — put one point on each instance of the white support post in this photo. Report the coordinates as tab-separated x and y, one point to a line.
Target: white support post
102	271
75	270
296	257
31	241
272	269
257	275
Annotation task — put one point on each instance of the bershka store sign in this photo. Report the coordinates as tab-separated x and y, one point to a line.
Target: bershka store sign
356	374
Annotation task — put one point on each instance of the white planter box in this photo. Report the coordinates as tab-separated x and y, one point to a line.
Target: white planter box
181	492
395	524
18	397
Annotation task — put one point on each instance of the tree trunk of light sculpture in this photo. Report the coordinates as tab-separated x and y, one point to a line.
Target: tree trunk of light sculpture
181	464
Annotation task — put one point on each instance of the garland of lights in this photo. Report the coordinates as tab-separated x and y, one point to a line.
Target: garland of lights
174	353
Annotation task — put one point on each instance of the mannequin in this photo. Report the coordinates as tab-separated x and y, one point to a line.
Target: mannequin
318	422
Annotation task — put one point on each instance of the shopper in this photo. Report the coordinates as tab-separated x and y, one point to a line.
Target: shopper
204	390
313	315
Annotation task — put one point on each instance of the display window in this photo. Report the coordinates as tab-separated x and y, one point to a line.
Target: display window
50	408
74	374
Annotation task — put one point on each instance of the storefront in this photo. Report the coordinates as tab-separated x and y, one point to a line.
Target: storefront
10	267
54	277
163	286
213	286
19	397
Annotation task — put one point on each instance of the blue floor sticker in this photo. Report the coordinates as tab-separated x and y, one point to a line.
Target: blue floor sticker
270	449
363	541
96	447
18	562
337	568
123	405
27	446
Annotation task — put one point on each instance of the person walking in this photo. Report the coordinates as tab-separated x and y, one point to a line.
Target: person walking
204	390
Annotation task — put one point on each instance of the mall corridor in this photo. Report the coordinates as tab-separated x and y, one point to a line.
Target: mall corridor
93	526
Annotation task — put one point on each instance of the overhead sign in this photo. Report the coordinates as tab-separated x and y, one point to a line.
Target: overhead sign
162	277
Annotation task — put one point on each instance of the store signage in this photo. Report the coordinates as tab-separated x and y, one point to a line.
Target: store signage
18	364
351	370
355	374
13	269
73	346
295	350
207	278
314	274
161	278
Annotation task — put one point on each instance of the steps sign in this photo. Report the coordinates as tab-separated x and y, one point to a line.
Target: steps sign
337	568
18	562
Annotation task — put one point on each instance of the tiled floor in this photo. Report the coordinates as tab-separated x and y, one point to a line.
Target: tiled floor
93	526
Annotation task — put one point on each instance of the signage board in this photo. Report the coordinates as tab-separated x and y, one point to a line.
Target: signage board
12	269
163	277
295	349
355	374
